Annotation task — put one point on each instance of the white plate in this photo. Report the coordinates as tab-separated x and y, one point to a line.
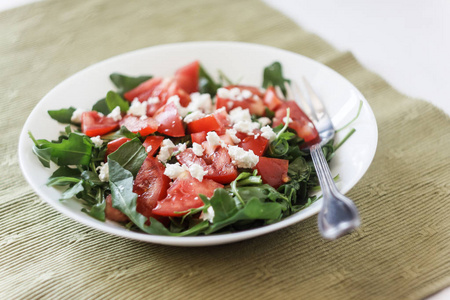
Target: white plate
237	60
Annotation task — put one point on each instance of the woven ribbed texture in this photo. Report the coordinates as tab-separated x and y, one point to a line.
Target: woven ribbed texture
400	252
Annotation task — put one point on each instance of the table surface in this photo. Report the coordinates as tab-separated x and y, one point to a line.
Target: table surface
417	33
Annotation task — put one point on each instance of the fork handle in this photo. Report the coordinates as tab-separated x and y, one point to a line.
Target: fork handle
338	214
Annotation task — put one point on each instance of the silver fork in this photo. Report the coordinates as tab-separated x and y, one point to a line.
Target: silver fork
338	214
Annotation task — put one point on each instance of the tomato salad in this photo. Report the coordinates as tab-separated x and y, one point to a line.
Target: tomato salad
186	155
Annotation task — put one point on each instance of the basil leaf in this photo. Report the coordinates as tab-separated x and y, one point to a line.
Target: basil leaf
101	107
97	211
113	100
206	83
273	75
63	115
125	83
130	156
122	132
75	150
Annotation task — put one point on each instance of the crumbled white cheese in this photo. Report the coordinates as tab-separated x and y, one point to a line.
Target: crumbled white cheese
76	115
213	139
98	142
208	215
175	99
197	171
103	172
166	150
197	149
193	116
223	93
201	102
264	121
242	158
115	114
232	134
268	133
174	170
149	148
138	108
246	94
285	120
238	114
246	127
143	118
153	100
180	148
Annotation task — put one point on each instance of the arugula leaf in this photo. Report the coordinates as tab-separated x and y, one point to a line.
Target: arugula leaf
72	191
44	155
63	115
130	156
101	107
273	75
97	211
206	83
113	100
125	83
65	171
63	180
122	132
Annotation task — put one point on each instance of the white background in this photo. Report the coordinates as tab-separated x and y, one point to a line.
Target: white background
407	42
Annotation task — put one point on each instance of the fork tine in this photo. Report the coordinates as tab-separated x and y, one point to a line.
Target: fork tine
298	96
318	107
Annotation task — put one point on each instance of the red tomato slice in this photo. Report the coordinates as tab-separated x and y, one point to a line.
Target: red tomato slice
271	99
187	77
273	171
144	88
214	122
112	213
255	106
301	123
169	120
183	194
258	145
137	125
154	141
115	144
92	124
151	185
198	137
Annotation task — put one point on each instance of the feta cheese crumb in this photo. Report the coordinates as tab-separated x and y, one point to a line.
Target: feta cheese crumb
238	114
193	116
153	100
103	173
268	133
76	115
246	127
98	142
242	158
213	139
175	99
138	108
197	149
115	114
208	215
246	94
174	170
180	148
149	148
223	93
200	102
197	172
167	148
232	134
285	120
143	118
264	121
235	94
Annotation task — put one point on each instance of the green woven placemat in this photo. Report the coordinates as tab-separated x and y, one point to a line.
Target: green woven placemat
400	252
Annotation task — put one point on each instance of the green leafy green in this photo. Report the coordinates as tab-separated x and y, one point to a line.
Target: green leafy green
130	156
125	83
72	191
101	107
63	115
273	75
122	132
113	100
97	210
206	83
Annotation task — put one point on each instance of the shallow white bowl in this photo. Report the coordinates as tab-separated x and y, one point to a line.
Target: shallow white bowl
237	60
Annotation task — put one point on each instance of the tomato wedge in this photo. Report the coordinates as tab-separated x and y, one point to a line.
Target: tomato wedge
258	145
273	171
142	90
169	120
154	141
300	122
115	144
198	137
217	121
183	194
151	185
271	100
187	77
254	104
112	213
93	124
137	125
